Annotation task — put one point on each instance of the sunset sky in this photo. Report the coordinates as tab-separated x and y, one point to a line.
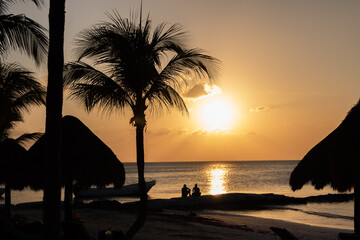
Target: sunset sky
290	73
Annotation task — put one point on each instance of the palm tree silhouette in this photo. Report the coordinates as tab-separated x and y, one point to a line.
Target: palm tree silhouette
123	64
21	33
19	90
54	101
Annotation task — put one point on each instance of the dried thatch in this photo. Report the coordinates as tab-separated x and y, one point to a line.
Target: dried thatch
85	158
335	160
13	169
13	165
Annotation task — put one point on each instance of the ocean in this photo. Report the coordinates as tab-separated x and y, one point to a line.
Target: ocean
233	177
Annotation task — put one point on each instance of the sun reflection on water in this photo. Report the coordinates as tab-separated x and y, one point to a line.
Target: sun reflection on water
217	180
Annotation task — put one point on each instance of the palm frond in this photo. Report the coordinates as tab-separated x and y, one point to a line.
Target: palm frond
22	33
18	91
92	96
28	137
190	65
31	98
165	97
37	2
167	41
94	42
4	4
16	81
8	122
94	87
174	35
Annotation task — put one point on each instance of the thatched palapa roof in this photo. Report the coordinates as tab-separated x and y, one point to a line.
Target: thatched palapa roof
85	158
13	165
335	160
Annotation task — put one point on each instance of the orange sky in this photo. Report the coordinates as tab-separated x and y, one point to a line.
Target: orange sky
290	73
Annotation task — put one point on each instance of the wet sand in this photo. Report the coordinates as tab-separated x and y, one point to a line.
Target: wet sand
161	225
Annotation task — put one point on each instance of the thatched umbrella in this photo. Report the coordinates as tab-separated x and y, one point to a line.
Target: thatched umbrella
85	159
335	161
12	169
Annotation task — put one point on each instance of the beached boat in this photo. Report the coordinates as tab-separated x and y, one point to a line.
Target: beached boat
127	190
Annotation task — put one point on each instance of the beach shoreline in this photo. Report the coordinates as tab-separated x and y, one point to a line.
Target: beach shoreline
178	219
165	225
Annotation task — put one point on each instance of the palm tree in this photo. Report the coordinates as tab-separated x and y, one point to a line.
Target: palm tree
19	90
21	33
122	64
54	101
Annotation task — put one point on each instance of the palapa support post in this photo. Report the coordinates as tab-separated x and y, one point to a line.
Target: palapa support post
7	200
357	208
68	201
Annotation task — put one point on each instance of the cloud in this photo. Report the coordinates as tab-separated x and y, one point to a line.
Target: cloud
188	132
200	132
196	91
167	131
205	131
159	132
259	109
181	131
202	90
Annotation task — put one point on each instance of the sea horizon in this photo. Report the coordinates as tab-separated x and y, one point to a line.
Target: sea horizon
214	161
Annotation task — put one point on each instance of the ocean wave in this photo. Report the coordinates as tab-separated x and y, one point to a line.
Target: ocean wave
321	214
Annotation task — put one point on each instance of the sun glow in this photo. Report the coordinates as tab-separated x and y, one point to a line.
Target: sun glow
217	115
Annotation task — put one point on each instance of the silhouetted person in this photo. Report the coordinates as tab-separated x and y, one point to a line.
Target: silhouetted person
185	191
196	191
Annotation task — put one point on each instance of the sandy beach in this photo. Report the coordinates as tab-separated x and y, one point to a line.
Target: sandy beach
162	225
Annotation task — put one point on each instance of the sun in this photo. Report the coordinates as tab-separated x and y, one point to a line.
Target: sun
217	115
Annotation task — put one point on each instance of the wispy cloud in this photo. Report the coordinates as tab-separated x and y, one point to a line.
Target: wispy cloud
259	109
196	91
205	131
167	131
202	90
159	132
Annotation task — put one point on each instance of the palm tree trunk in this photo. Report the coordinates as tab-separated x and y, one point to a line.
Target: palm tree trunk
54	98
140	220
68	201
7	200
357	208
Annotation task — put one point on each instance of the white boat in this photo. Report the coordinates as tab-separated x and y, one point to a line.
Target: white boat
127	190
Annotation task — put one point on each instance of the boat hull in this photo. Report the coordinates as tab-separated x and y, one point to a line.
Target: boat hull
128	190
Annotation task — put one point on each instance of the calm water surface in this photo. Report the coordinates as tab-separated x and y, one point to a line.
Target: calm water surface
246	177
221	177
